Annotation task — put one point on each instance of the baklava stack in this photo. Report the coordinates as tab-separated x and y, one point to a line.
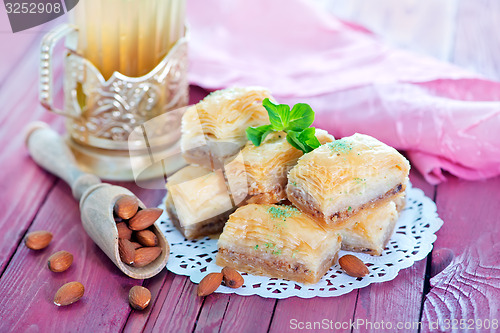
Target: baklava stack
201	196
213	135
347	193
356	184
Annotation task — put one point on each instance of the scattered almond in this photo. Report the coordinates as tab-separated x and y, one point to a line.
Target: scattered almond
126	250
146	238
38	240
69	293
139	297
209	284
232	278
123	231
353	266
144	218
60	261
146	255
126	206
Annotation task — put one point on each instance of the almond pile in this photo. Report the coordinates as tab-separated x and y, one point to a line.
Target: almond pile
137	243
212	281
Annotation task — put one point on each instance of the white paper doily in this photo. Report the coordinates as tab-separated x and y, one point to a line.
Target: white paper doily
412	241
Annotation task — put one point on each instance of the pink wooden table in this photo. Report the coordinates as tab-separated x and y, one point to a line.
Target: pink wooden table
459	280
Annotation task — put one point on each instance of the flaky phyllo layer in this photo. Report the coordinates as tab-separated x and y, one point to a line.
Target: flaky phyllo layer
219	122
198	197
267	166
372	227
339	178
198	194
281	239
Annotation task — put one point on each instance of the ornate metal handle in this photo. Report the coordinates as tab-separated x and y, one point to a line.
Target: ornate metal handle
47	47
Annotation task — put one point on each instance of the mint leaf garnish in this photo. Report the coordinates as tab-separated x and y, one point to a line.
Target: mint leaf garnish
278	114
301	117
308	136
258	134
293	139
294	122
304	140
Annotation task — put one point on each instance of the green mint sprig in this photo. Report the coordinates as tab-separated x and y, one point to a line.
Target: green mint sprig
294	122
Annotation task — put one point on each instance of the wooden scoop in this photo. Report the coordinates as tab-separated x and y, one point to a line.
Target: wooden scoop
97	200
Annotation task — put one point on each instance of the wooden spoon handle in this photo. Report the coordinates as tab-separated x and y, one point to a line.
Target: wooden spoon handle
50	152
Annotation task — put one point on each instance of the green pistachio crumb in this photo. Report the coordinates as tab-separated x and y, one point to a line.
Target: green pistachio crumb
340	146
359	180
282	212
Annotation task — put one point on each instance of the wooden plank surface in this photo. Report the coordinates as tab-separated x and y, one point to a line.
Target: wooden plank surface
248	314
291	312
469	287
24	185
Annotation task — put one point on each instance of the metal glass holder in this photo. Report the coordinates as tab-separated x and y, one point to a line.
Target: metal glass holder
102	114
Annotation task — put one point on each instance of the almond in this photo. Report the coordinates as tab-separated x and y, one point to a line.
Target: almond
209	284
353	266
38	240
144	218
146	255
232	278
146	238
60	261
69	293
126	250
139	297
136	245
126	206
123	231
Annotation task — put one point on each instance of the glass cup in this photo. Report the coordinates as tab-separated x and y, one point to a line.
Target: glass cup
126	63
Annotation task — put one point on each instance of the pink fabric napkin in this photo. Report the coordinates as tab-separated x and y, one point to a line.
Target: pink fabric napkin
446	118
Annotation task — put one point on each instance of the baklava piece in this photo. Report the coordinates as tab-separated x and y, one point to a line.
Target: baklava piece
277	241
267	166
372	227
214	129
338	179
199	201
